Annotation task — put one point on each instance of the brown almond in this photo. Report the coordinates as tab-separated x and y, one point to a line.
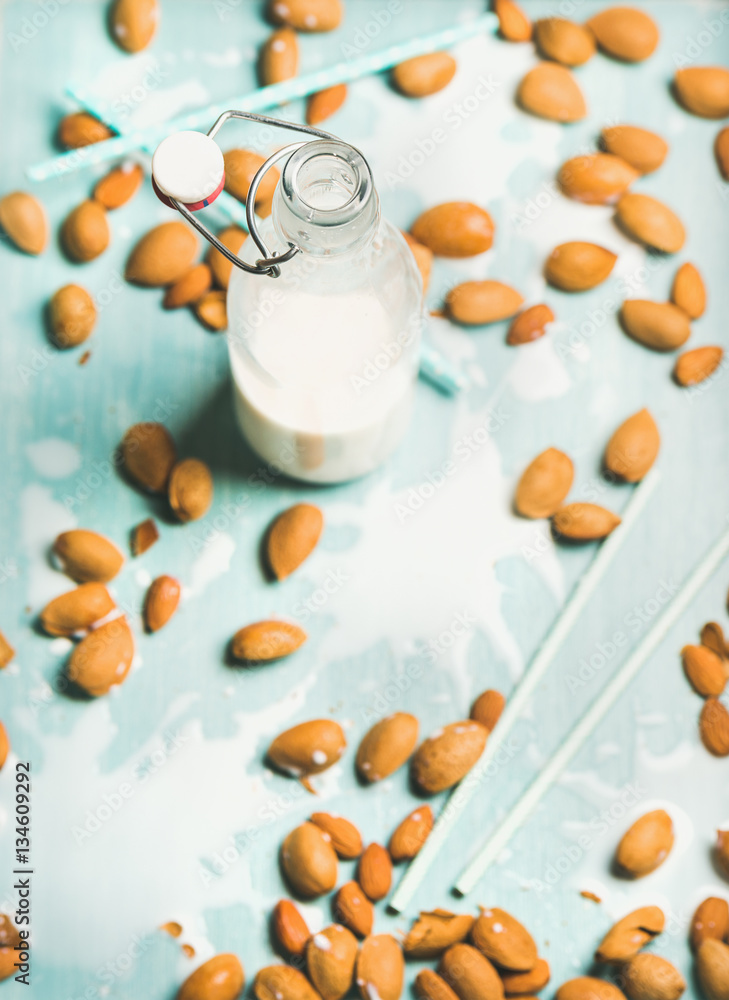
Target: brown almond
712	636
308	748
564	41
578	266
23	220
531	982
345	837
374	872
650	222
307	15
161	602
86	556
629	934
712	969
279	57
514	25
9	938
645	845
584	522
474	303
85	233
596	178
190	489
470	974
220	978
704	671
544	484
386	746
645	151
424	75
162	255
282	982
144	535
241	166
487	708
353	909
447	756
380	968
625	33
633	447
423	258
134	23
435	931
289	929
714	727
455	229
410	835
711	920
429	985
71	316
103	658
722	850
689	292
330	957
233	238
325	103
658	325
267	640
588	988
721	151
119	186
212	311
309	862
551	91
77	610
4	745
81	129
704	90
529	325
292	537
652	977
189	288
149	455
692	367
504	941
6	652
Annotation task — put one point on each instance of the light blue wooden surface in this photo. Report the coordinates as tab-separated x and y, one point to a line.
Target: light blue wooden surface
97	903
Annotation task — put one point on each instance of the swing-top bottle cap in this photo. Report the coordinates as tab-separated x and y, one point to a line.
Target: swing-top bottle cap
188	166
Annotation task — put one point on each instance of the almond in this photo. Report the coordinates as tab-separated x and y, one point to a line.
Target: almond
504	941
712	636
330	957
646	845
345	837
474	303
6	652
411	834
81	129
134	23
711	920
23	220
220	978
564	41
352	908
588	988
643	150
380	968
544	484
625	33
161	602
423	258
241	166
374	872
424	75
633	447
119	186
4	745
521	983
190	489
721	151
455	229
652	977
9	938
307	15
470	974
308	861
650	222
144	535
103	658
584	522
550	91
688	292
85	233
704	90
289	929
577	266
722	850
71	316
386	746
86	556
712	969
704	670
447	756
279	57
149	455
211	309
233	238
514	25
429	985
487	708
325	103
309	748
267	640
77	610
714	727
658	325
282	982
292	537
529	325
629	934
189	288
162	255
596	178
436	930
692	367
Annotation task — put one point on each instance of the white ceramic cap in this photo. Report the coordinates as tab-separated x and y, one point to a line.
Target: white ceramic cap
188	166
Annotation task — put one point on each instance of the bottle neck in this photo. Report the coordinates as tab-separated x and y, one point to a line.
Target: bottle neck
326	203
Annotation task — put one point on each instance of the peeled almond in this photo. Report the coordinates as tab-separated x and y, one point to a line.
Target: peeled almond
279	57
588	988
380	968
564	41
514	25
487	708
428	985
423	258
162	255
353	909
241	166
650	222
77	610
629	934
220	978
325	103
711	920
550	91
596	178
411	834
474	303
455	229
435	931
345	837
712	969
161	602
85	233
704	90
309	748
633	447
71	316
281	982
211	309
689	292
694	366
149	455
625	33
646	845
658	325
103	658
386	746
307	15
447	756
527	983
190	489
309	862
643	150
470	974
23	220
529	325
289	929
330	957
190	288
424	75
714	727
504	941
292	537
81	129
577	266
119	186
268	640
652	977
233	238
86	556
721	150
544	484
584	522
134	23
